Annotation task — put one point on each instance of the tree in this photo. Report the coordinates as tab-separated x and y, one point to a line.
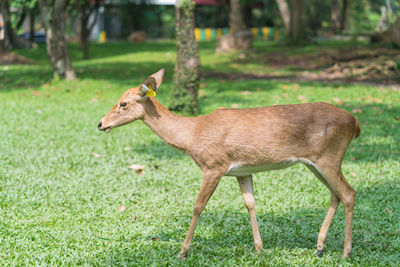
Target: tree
345	15
86	9
335	16
2	49
297	21
293	19
9	35
239	37
285	14
187	68
236	22
53	14
12	41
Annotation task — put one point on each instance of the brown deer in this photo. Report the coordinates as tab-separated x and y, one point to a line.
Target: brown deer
240	142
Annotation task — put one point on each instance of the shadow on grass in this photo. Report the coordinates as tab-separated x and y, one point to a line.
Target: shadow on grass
121	72
116	73
228	233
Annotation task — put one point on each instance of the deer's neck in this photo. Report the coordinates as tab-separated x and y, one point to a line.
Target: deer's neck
173	129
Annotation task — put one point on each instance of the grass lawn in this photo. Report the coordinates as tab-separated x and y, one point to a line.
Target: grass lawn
68	198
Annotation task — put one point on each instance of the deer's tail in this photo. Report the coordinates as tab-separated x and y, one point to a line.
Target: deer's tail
357	128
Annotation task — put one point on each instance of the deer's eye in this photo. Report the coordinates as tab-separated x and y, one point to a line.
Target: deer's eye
123	104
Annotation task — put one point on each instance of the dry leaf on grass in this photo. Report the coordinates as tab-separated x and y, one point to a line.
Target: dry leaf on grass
246	93
388	210
94	154
302	98
35	93
121	208
155	239
235	105
357	111
337	100
139	169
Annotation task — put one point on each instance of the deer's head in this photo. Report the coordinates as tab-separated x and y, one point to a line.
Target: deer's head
130	106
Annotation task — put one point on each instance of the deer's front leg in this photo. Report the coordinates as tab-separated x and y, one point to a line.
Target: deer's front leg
210	182
246	186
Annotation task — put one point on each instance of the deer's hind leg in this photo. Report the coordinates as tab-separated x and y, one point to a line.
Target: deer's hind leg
333	176
246	186
323	232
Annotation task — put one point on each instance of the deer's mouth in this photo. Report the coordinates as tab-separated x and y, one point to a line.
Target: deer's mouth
107	129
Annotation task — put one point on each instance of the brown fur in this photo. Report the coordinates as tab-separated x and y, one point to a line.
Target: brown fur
243	140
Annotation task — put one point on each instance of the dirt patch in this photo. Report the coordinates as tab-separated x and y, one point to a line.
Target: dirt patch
10	58
301	77
308	62
370	66
367	65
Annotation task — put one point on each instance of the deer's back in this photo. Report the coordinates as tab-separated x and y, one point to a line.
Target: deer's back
272	134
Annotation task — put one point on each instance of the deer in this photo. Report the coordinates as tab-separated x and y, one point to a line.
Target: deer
240	142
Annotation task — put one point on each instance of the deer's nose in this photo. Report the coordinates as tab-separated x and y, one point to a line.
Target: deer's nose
99	125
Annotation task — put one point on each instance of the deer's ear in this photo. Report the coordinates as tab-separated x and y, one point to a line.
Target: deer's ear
148	87
158	76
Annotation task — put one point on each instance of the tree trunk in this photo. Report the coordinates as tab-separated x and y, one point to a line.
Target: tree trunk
345	15
2	49
86	10
396	32
239	37
32	26
335	16
285	14
187	68
236	22
84	35
10	38
54	17
297	22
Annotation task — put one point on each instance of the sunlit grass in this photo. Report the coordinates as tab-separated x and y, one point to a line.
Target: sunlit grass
60	204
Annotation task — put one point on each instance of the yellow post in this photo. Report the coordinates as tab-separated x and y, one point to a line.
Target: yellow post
197	34
208	34
265	33
103	37
277	33
219	33
255	33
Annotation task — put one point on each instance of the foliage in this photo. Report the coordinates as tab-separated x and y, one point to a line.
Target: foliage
21	7
67	196
157	21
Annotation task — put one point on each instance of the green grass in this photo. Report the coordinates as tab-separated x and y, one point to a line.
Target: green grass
59	204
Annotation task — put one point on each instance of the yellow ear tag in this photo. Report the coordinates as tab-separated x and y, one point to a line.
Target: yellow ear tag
151	92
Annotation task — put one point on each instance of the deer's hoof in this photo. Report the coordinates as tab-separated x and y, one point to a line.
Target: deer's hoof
320	252
182	256
346	253
345	256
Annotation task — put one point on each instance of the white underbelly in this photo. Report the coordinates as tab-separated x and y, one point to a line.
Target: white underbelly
237	169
